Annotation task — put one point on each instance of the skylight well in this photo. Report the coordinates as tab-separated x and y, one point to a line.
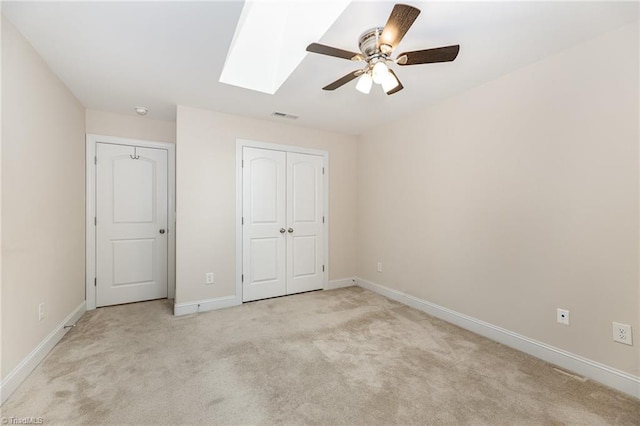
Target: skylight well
270	40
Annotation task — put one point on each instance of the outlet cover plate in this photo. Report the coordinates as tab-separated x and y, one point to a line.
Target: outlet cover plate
622	333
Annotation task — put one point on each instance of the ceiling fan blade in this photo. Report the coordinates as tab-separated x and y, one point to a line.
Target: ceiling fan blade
333	51
429	56
398	88
342	80
401	18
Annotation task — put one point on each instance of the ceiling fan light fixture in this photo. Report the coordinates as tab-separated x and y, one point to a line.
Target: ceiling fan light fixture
389	82
376	45
364	83
379	72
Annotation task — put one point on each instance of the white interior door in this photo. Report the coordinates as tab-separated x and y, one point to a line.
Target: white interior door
263	231
304	223
131	212
282	232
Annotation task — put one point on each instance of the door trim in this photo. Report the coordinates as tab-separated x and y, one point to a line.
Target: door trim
240	144
90	209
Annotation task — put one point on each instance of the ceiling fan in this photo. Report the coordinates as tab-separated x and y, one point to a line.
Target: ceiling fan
377	45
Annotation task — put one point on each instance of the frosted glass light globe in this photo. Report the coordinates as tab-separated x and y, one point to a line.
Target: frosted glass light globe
379	72
364	84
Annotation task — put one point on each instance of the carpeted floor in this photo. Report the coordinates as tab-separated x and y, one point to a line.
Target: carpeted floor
345	356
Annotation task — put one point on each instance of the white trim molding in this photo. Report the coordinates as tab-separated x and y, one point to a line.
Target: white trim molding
31	361
91	141
596	371
205	305
340	283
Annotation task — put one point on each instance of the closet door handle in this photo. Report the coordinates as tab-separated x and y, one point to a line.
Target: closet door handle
290	230
282	230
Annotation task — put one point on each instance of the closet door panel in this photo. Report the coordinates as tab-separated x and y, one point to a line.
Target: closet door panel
263	231
304	223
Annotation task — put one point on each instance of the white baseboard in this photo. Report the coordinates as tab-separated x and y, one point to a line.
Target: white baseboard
340	283
22	370
596	371
205	305
229	301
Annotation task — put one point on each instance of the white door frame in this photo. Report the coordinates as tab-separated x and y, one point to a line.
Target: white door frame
240	144
91	141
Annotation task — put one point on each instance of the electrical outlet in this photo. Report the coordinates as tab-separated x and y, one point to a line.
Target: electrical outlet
622	333
209	278
379	266
41	311
563	316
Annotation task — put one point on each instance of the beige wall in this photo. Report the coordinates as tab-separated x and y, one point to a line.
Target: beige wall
517	198
130	126
206	196
1	369
42	199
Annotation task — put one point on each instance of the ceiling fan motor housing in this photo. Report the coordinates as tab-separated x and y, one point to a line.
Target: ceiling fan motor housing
368	42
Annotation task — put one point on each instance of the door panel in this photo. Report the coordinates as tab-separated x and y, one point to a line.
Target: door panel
263	212
265	181
133	261
304	215
304	252
264	259
133	190
304	191
131	206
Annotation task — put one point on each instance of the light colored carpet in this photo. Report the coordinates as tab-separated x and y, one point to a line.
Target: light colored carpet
346	356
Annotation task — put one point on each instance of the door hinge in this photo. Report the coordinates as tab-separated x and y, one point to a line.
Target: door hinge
323	170
242	277
322	219
242	220
95	282
95	221
95	159
242	164
322	268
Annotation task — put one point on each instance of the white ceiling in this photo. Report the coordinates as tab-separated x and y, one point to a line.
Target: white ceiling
115	55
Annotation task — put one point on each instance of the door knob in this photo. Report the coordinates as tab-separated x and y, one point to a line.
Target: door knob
290	230
162	231
282	230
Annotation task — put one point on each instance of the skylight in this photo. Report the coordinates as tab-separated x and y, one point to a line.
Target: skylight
271	38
